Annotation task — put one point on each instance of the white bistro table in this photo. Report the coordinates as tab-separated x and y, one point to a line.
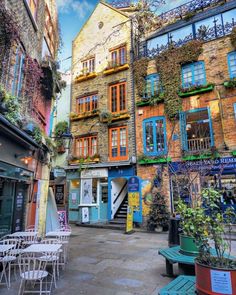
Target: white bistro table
23	234
41	248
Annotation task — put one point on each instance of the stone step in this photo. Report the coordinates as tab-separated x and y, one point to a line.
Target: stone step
118	221
103	225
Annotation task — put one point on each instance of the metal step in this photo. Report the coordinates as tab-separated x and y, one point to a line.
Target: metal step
118	221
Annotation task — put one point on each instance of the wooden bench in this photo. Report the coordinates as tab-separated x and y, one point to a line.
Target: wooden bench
172	256
182	285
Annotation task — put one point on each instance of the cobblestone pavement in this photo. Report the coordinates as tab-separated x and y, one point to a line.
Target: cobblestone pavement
108	262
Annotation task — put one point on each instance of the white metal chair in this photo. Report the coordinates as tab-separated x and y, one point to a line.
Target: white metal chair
33	271
9	260
52	259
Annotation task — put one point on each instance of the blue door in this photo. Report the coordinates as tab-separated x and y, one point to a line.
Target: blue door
103	201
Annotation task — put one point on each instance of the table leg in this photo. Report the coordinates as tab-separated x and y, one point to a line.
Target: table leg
169	269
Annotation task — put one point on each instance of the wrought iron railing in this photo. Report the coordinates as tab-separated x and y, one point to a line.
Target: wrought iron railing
199	144
204	33
189	7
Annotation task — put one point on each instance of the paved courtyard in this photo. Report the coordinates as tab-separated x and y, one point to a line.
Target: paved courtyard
108	262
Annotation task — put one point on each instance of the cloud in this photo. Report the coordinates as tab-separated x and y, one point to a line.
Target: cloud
80	7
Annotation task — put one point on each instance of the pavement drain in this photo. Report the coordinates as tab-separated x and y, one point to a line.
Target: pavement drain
128	283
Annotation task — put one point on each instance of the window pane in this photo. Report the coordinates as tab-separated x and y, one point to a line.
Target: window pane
94	146
87	104
232	64
149	137
114	143
123	142
114	98
94	102
122	55
122	97
187	76
114	58
156	84
181	34
160	138
148	88
199	76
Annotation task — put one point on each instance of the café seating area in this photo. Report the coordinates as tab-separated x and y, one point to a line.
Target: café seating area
34	261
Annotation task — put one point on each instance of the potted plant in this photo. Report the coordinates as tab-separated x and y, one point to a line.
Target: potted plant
215	270
192	218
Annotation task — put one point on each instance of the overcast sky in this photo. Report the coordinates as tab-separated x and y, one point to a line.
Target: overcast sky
72	16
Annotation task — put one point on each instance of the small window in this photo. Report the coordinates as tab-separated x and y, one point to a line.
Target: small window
87	103
154	136
232	64
86	146
118	143
118	57
33	5
153	85
18	73
118	97
88	66
193	74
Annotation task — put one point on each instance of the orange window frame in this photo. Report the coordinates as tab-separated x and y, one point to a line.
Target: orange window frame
118	157
83	105
118	53
118	97
80	151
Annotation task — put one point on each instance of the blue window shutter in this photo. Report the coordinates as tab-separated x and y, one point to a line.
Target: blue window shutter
211	127
235	110
182	120
232	74
15	72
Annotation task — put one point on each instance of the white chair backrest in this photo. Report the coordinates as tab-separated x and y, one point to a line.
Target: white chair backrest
50	241
29	263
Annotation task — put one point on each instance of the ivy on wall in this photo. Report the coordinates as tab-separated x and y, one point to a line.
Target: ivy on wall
168	65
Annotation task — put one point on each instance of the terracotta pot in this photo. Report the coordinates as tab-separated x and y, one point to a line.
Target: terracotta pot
214	281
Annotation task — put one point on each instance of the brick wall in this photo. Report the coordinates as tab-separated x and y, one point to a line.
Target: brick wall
95	41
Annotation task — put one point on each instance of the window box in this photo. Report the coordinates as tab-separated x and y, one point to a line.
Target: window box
77	117
81	160
116	117
151	101
86	77
233	153
147	161
115	69
196	90
230	83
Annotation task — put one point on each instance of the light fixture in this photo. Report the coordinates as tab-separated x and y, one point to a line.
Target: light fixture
188	126
193	136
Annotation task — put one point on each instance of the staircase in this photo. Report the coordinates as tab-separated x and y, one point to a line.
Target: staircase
120	216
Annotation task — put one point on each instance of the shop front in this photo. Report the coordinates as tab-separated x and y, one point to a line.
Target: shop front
196	175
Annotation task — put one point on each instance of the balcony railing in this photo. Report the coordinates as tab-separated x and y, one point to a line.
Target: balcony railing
199	144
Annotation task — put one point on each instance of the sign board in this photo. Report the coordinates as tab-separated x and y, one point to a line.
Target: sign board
133	199
221	282
59	194
94	173
85	215
129	220
59	172
133	184
62	218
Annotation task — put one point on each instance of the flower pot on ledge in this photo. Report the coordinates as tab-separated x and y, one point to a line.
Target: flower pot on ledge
84	115
116	117
115	69
82	78
199	90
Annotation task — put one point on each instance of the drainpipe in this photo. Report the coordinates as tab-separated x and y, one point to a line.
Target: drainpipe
221	117
133	115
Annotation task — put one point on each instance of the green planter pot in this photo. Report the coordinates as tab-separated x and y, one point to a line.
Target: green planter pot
188	246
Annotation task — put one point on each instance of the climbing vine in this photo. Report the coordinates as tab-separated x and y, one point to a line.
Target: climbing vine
168	65
233	37
140	73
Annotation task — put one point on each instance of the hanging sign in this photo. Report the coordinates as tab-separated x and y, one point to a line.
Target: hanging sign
129	220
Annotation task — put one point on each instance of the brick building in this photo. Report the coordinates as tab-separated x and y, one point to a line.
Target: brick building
185	112
28	48
102	118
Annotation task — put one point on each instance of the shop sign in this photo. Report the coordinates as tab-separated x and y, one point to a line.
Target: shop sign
59	194
216	164
129	220
94	173
59	172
